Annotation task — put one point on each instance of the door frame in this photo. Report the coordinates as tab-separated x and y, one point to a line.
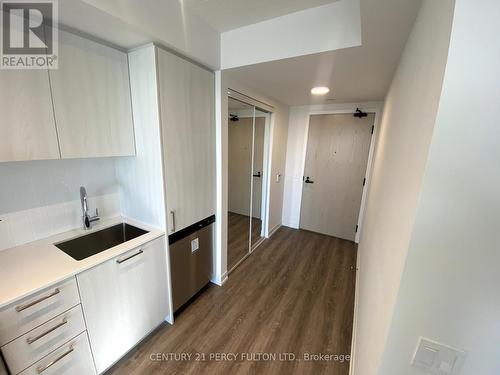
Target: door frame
369	164
265	183
267	165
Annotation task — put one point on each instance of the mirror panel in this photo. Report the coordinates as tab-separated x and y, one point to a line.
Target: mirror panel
240	142
258	178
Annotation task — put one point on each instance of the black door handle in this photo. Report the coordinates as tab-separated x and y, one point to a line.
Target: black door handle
308	181
257	175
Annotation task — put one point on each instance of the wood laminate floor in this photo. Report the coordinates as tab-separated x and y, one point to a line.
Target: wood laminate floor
294	294
237	236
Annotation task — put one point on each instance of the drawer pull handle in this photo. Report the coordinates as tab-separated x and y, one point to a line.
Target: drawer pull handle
31	340
119	261
24	307
41	369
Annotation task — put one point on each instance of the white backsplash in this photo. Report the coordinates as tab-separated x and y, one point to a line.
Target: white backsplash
19	227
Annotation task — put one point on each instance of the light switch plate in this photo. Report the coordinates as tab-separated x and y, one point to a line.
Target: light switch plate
436	358
195	245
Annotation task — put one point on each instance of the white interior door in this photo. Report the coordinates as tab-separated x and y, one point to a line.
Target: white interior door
337	154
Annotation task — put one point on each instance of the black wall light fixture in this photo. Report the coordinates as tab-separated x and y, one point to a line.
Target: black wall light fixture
359	113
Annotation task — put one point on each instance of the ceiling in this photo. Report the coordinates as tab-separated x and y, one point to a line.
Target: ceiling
353	74
224	15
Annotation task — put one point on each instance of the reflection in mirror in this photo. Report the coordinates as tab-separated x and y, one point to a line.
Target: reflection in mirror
258	178
240	133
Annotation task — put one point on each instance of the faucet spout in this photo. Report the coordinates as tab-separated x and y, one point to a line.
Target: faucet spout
86	218
83	199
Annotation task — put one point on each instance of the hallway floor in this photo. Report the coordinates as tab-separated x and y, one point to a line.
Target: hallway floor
295	294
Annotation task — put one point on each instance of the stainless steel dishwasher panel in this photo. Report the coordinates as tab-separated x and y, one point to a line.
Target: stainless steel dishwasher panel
191	268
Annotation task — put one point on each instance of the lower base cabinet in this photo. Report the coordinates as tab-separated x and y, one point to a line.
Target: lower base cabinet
123	300
74	357
41	341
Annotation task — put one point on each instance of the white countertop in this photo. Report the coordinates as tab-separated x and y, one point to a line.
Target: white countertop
28	268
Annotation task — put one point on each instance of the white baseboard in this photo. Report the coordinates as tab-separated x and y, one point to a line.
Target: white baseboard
352	364
291	225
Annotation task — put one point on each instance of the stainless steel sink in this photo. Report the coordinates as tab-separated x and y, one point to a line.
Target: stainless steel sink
93	243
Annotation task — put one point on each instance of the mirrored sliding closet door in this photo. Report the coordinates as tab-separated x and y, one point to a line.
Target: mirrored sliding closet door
247	131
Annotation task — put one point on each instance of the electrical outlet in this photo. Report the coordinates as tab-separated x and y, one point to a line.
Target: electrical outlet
436	358
195	245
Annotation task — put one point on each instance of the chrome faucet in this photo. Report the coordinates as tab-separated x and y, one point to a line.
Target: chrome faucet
86	218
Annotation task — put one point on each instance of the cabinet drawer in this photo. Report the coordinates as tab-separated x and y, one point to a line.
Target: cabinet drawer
36	344
28	313
73	358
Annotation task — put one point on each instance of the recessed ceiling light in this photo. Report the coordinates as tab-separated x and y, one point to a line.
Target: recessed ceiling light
320	90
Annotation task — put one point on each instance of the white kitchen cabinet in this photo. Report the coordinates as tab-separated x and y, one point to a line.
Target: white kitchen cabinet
91	96
123	300
28	130
37	343
73	358
37	308
186	96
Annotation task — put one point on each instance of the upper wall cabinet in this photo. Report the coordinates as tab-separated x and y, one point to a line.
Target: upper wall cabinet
28	131
91	96
27	125
188	138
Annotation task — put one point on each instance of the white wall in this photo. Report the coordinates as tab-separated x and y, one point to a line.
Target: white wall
450	286
278	138
42	198
401	153
298	127
277	173
324	28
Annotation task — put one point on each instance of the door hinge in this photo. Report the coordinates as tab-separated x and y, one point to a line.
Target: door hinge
373	128
356	229
364	181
